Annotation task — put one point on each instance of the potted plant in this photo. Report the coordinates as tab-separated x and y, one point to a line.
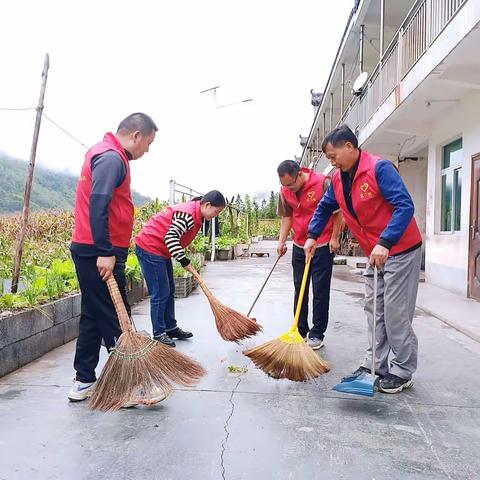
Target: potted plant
223	248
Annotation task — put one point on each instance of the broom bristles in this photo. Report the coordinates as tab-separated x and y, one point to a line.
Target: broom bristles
140	369
295	361
233	325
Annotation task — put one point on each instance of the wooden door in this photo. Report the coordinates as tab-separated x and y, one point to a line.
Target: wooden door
474	254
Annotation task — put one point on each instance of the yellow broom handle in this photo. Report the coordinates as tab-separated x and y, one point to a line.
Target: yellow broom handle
301	294
123	318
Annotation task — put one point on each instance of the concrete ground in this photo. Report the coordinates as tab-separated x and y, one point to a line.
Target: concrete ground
248	426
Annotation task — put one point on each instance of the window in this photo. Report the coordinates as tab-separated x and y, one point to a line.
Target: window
451	187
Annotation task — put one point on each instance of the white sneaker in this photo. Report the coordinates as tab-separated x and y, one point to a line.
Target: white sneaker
159	396
315	343
80	391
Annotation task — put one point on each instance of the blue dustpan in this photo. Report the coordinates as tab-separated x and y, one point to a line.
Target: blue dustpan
363	384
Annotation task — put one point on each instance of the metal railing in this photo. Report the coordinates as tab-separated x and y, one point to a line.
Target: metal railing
178	188
421	27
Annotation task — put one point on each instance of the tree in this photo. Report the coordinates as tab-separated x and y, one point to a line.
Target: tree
272	206
239	202
255	217
263	209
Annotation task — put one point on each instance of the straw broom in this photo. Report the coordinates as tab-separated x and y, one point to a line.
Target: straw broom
231	325
288	356
139	369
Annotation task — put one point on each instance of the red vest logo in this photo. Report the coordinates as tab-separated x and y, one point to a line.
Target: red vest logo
311	196
365	193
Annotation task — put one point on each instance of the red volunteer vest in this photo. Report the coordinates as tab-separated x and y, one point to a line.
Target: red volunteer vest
152	236
373	211
304	208
120	210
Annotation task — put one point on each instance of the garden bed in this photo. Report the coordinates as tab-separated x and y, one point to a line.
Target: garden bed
28	334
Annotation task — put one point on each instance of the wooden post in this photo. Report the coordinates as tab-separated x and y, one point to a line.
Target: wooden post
28	183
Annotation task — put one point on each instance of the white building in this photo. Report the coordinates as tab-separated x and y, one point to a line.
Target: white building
421	109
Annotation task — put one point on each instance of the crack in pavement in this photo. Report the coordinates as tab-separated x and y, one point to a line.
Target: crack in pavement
225	426
428	440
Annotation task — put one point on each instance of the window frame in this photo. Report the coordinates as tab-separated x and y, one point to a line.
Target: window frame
451	172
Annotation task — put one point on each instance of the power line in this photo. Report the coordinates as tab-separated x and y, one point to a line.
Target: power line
65	131
7	109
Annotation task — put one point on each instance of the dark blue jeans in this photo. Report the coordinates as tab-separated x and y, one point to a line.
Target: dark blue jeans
158	273
321	274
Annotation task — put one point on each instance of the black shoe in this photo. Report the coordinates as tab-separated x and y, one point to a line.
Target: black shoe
165	339
179	334
393	384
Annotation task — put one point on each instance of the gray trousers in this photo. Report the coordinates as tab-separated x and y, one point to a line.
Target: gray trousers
396	298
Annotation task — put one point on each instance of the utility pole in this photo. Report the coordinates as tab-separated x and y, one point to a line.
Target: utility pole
28	183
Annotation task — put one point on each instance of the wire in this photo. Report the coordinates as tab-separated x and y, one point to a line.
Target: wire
64	131
7	109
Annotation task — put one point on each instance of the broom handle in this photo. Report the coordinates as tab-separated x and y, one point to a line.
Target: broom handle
301	294
203	285
123	318
263	286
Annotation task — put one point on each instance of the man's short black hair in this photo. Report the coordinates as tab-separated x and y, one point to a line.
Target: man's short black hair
288	167
339	136
138	121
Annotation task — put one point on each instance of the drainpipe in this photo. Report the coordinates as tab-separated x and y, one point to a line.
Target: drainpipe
362	30
331	111
342	99
382	27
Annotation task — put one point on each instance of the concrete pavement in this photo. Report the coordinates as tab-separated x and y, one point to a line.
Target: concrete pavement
248	426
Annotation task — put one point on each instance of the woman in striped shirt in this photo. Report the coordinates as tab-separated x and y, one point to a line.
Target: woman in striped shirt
164	237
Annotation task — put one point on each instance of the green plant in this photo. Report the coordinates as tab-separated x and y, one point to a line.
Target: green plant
269	228
7	300
179	271
200	244
133	271
224	242
196	261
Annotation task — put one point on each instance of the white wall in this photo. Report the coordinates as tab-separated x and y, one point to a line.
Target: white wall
414	174
447	253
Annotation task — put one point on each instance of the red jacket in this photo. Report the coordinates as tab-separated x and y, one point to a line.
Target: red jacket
373	211
152	236
305	206
121	209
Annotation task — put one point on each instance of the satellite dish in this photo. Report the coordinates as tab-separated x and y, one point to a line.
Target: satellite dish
359	83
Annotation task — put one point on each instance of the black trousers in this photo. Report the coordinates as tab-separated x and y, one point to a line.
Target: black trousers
98	319
321	274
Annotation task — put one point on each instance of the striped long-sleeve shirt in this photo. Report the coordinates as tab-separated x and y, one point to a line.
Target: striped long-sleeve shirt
181	223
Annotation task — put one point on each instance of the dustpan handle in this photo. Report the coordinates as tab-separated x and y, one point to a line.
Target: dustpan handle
116	296
374	322
263	286
301	294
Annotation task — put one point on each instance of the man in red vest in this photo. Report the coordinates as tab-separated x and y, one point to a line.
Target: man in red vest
379	211
104	215
301	191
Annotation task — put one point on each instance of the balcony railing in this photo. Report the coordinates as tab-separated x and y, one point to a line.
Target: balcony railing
420	29
422	26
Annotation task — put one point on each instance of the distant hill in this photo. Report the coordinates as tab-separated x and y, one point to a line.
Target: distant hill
51	190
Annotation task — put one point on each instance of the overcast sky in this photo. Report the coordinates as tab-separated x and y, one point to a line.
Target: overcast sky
111	58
